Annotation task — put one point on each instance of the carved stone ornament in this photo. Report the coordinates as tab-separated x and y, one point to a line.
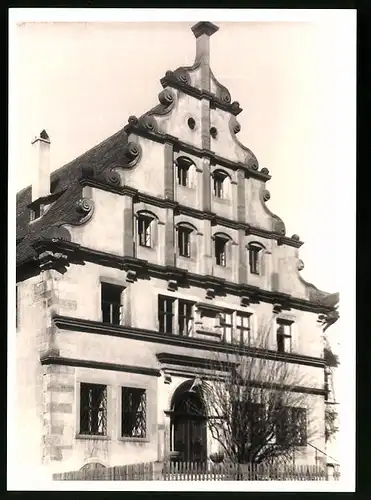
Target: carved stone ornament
182	76
266	195
279	227
53	260
245	301
133	120
167	97
235	125
131	276
251	162
133	153
84	206
300	265
295	237
112	178
235	105
148	122
210	293
265	171
172	285
277	308
225	96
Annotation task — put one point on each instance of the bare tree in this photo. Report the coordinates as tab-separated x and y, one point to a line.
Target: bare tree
256	406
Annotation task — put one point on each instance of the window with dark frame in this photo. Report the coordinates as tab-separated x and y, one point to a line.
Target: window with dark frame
133	412
219	178
183	172
111	303
284	341
226	321
36	212
166	314
221	251
243	329
185	317
291	426
145	230
93	409
247	421
184	241
254	256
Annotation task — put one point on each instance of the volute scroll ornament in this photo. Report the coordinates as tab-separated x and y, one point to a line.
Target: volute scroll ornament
133	153
148	122
84	206
182	76
265	171
112	178
300	265
167	97
266	195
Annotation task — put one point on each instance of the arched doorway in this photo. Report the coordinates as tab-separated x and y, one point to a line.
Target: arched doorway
188	425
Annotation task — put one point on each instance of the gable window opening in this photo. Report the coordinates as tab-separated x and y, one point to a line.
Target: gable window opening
291	426
184	241
243	329
166	314
183	166
221	251
284	343
133	412
93	409
219	179
254	259
185	318
145	230
111	303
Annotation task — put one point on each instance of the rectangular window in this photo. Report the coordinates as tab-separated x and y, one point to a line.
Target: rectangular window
247	421
227	324
243	329
185	317
93	409
184	241
220	251
111	303
133	412
291	426
284	342
182	174
254	260
165	314
145	231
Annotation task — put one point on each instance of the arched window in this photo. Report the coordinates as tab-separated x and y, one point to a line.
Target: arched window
184	171
145	222
255	258
221	245
221	184
184	239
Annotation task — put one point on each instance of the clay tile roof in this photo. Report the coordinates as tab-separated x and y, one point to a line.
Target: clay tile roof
68	190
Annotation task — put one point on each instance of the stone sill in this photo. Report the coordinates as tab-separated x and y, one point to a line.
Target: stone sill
93	436
209	333
134	440
222	201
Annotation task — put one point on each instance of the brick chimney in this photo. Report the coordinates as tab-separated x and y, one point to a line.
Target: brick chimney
41	176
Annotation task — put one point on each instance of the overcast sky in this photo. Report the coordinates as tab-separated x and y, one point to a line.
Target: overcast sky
294	81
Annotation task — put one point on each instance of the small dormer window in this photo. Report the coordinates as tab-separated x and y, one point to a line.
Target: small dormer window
36	212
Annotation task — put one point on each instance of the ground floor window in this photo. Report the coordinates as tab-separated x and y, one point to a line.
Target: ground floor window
133	412
93	409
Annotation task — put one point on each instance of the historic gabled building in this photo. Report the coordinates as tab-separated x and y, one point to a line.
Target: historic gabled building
137	260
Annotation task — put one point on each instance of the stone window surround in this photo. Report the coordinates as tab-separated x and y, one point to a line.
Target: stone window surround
113	421
78	435
149	416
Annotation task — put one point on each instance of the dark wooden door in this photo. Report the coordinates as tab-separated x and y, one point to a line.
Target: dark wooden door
189	438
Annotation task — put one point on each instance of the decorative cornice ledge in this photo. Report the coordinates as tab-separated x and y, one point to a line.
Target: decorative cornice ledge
88	326
143	268
100	365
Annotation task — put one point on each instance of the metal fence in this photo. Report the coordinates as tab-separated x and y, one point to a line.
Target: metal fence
192	471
